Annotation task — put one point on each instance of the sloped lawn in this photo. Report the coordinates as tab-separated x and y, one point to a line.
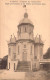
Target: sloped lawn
38	75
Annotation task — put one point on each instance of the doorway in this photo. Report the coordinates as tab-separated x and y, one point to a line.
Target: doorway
24	56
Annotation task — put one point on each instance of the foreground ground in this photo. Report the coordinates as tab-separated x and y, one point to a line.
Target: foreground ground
38	75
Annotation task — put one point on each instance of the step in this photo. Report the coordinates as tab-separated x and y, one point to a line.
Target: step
23	66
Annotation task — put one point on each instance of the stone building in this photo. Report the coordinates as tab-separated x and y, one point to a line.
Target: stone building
25	51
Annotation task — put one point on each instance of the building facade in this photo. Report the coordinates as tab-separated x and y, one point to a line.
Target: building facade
25	51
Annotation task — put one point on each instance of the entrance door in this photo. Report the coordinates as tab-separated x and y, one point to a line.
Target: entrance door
24	56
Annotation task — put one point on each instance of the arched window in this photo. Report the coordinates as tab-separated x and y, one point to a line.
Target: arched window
20	30
25	29
41	52
9	51
31	49
14	66
18	50
14	56
9	65
35	65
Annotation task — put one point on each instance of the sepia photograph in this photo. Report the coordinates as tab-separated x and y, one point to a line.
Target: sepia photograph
25	40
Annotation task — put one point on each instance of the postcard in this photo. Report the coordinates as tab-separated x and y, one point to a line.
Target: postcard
25	40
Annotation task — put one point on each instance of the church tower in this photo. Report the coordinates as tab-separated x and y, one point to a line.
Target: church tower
25	44
25	28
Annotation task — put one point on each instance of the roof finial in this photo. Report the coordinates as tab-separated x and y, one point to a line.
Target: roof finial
25	15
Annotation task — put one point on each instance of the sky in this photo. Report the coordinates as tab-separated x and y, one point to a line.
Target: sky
11	15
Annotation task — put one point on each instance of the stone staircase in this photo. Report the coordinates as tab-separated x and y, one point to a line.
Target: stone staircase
24	66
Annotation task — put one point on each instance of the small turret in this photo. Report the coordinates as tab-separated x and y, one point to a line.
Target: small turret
38	47
12	39
38	40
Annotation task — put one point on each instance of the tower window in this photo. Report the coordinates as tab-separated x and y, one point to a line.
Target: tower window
35	65
31	49
14	66
25	29
9	51
9	65
18	49
41	51
20	30
14	56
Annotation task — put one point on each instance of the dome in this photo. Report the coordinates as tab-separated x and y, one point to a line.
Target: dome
25	20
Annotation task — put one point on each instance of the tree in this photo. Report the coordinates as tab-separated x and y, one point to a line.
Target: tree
4	62
47	54
0	63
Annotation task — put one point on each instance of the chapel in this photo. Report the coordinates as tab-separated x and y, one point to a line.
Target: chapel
25	51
